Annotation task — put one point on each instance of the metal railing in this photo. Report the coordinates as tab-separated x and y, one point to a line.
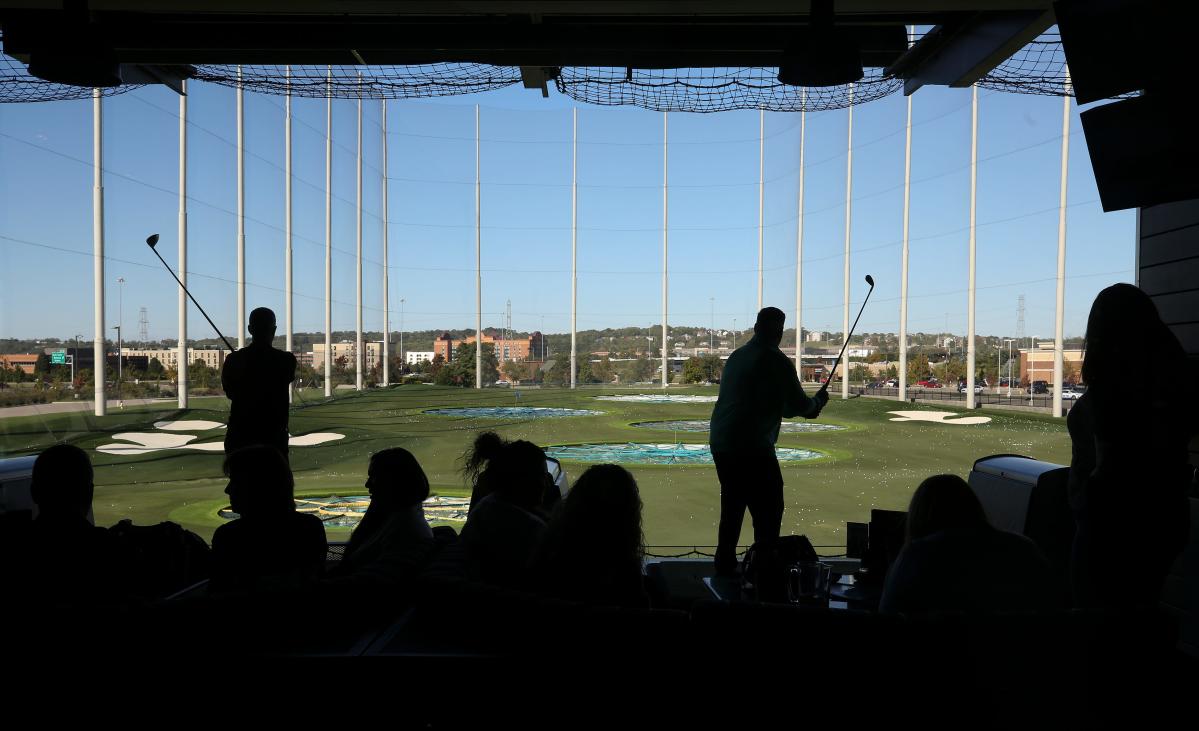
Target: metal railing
948	393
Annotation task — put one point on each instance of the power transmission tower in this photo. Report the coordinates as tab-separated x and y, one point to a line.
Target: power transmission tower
1020	321
143	326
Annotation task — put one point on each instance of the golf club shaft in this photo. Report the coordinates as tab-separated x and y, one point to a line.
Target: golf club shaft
847	337
193	299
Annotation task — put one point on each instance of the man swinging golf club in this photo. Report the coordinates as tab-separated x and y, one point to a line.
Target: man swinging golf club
758	388
255	379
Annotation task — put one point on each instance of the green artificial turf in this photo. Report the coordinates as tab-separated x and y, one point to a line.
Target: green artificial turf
873	463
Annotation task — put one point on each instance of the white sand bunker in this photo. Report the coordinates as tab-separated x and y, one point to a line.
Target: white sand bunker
313	439
135	443
661	398
148	442
192	425
938	417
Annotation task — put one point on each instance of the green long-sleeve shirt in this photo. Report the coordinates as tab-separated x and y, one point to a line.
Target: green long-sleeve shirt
758	388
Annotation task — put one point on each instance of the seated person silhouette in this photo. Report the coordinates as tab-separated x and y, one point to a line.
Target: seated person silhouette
63	559
270	545
955	561
393	536
594	548
506	525
256	380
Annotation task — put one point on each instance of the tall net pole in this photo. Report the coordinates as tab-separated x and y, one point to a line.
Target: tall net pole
329	236
359	352
761	196
848	235
182	359
100	363
803	121
665	243
574	246
386	269
241	213
970	399
903	278
1059	324
478	261
287	263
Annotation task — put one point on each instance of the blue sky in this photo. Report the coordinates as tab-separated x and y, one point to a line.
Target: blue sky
46	213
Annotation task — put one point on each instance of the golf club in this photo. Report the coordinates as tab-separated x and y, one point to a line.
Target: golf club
870	281
152	241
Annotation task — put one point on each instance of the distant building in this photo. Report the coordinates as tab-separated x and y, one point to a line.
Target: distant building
1037	364
346	349
815	336
24	361
412	357
169	357
531	348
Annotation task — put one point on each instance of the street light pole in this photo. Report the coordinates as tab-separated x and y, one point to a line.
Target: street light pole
403	358
712	329
120	322
1009	342
120	375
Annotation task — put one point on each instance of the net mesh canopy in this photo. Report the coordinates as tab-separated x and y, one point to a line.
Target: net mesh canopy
714	90
1037	68
365	82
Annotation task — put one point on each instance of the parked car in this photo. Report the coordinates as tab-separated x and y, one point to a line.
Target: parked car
1073	392
929	383
892	383
1040	387
977	388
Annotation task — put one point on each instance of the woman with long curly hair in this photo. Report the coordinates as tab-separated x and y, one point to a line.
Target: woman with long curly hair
1129	471
595	547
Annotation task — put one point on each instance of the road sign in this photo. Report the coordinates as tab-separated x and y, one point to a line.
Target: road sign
58	357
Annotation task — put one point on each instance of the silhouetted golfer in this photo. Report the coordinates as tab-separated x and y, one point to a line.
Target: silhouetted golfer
758	388
256	379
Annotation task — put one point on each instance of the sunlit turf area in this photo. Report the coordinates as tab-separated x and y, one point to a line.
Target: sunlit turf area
873	462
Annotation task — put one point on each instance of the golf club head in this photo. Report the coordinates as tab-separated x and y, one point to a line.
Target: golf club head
870	280
152	240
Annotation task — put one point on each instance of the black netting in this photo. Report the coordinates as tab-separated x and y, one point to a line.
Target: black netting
1038	68
376	82
16	85
714	90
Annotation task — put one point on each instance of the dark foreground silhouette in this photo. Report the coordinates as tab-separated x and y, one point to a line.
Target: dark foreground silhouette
256	380
758	387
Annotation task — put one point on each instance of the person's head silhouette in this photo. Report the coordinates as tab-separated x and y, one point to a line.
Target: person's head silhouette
514	470
602	513
944	502
62	482
260	482
1117	312
395	480
262	325
769	326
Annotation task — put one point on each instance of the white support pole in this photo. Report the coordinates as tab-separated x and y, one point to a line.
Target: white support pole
848	229
478	262
329	235
903	277
574	247
970	399
287	263
182	359
761	194
803	121
359	353
665	250
386	269
241	214
100	365
1059	325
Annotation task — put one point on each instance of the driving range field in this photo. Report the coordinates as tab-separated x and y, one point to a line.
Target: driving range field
157	462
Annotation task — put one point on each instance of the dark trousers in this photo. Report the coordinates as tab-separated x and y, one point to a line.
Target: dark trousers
748	479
